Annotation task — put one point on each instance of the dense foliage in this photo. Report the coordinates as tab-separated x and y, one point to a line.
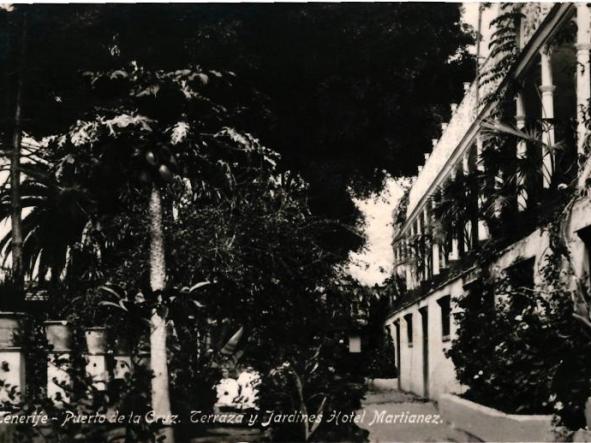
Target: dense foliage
243	250
251	260
510	357
340	90
519	348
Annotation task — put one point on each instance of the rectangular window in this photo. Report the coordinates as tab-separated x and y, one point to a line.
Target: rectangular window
409	333
521	277
445	305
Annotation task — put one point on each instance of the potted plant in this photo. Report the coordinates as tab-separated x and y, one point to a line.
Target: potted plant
11	319
96	340
10	326
59	335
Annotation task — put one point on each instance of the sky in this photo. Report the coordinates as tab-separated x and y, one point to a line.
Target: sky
373	264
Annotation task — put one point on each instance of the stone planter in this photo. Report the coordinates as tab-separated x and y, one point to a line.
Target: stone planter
59	335
96	340
489	424
10	325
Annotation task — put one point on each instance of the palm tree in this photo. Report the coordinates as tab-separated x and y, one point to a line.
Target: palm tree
55	217
15	154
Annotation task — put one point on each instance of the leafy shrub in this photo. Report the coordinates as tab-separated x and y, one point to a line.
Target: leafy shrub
525	353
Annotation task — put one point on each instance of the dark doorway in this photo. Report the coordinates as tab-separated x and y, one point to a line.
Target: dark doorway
397	351
425	328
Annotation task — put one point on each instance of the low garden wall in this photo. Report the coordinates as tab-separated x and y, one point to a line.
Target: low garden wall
101	363
489	424
382	384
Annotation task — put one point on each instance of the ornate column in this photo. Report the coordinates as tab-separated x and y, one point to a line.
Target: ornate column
583	71
434	243
454	254
409	260
467	228
521	154
419	249
483	233
547	89
443	255
427	255
454	251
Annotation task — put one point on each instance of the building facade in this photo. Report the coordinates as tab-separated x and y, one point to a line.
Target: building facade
516	143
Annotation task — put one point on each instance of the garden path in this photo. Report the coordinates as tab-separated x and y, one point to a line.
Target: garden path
387	415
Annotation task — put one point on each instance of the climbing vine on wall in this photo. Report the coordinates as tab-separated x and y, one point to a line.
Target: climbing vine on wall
518	348
521	349
504	48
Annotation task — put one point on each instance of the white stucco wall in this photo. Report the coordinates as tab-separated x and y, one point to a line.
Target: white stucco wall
442	377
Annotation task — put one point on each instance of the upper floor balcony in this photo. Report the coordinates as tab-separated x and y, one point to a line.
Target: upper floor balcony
511	147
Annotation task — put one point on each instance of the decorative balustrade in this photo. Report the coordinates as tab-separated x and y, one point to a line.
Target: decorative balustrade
455	131
101	363
460	135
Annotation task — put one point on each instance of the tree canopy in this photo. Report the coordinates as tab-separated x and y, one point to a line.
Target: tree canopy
344	92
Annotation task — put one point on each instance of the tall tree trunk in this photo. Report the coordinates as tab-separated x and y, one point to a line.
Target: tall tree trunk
15	157
158	355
